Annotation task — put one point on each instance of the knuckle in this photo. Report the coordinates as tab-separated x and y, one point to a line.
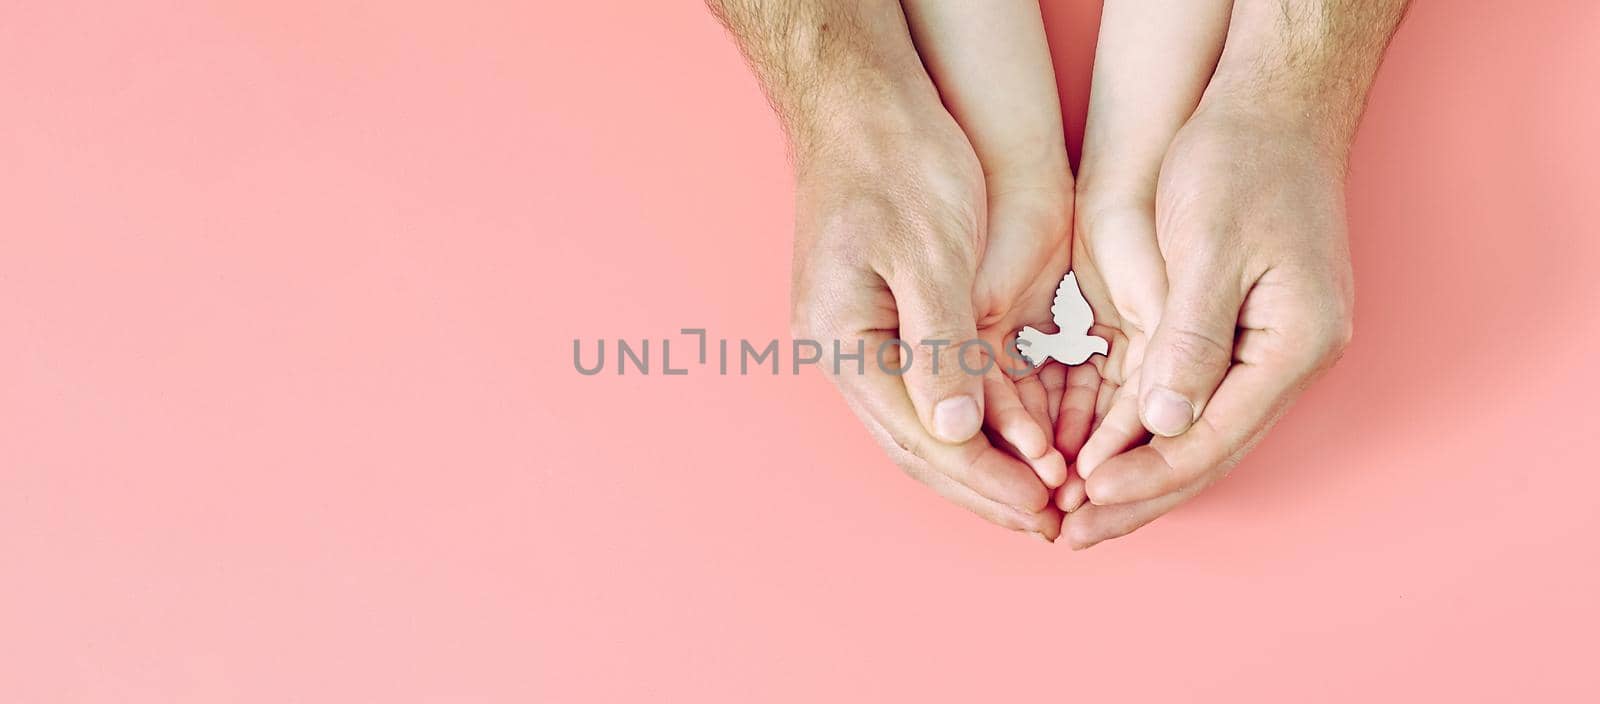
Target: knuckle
901	232
1340	334
1313	346
1196	347
823	295
928	242
799	312
1331	339
935	369
905	450
1328	332
799	327
927	266
807	317
843	232
855	215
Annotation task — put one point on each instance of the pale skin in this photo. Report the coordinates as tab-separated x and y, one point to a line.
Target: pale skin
1206	227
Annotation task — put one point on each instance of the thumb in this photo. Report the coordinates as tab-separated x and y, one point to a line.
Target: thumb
1192	347
936	329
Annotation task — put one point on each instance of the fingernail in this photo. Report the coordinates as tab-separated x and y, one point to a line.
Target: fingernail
956	419
1166	413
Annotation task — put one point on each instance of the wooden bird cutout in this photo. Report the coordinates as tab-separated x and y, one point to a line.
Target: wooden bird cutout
1073	345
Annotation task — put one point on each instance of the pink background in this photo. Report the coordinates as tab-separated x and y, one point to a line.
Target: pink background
287	408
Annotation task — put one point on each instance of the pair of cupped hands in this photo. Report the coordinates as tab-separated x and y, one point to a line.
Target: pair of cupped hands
1205	226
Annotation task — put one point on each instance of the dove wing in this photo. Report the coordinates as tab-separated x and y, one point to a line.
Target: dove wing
1071	312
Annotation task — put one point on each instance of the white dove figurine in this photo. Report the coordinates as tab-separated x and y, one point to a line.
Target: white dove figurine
1073	345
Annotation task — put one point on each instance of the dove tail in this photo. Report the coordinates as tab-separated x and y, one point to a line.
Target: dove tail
1028	337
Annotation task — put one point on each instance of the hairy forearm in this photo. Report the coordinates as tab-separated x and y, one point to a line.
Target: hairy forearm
827	65
1312	59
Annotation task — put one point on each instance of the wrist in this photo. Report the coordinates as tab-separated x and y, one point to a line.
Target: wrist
868	107
831	69
1305	66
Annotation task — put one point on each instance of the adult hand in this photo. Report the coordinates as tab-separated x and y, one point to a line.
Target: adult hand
991	64
891	218
889	234
1250	221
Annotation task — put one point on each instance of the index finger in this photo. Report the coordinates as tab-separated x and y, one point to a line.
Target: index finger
1252	396
879	397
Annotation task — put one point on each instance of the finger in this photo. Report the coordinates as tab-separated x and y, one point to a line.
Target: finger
1004	411
880	399
1103	401
1045	523
1051	467
1249	401
1193	345
1110	370
1034	397
1076	410
1020	429
936	325
1071	494
1092	524
1118	431
1008	356
1054	379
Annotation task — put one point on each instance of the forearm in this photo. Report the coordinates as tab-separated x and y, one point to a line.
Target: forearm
1152	63
991	63
827	65
1311	59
